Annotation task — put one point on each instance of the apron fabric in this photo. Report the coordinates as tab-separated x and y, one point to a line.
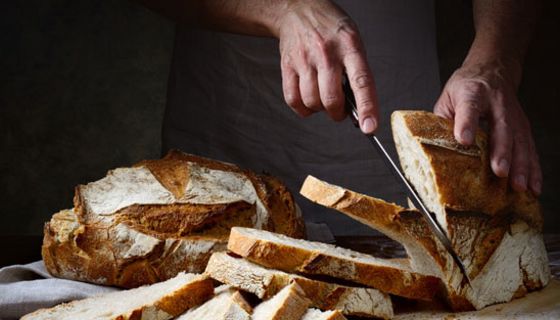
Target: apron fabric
225	102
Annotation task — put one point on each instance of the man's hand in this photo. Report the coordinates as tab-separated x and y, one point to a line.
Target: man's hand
486	87
318	44
487	90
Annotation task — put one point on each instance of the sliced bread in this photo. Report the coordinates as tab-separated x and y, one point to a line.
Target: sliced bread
264	283
315	314
448	175
227	304
493	237
160	301
289	303
314	258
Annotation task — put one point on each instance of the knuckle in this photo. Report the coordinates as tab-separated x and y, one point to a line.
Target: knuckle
362	80
366	104
332	102
475	88
312	102
292	100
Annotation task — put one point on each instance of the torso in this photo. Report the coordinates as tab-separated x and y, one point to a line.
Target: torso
225	102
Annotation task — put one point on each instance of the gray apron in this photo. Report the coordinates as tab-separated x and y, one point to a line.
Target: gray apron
225	102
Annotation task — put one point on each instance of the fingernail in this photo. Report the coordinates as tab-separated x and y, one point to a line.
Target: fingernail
467	136
368	125
503	166
521	181
537	187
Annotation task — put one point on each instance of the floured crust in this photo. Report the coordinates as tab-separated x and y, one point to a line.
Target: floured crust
311	258
118	255
494	249
463	177
146	223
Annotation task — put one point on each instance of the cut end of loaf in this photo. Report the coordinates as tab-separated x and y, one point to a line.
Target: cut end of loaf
290	303
416	165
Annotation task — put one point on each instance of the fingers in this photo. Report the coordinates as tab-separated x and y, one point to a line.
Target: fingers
501	142
466	121
520	163
444	107
535	183
309	88
290	87
525	172
363	86
330	90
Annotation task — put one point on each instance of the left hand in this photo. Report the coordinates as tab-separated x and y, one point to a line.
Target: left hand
488	90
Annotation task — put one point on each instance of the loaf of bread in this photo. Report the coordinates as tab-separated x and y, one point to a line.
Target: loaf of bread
146	223
160	301
494	230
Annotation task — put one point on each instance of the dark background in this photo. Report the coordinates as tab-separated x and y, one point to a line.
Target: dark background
83	84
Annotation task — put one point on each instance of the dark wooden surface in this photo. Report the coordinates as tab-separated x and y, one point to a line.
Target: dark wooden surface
17	249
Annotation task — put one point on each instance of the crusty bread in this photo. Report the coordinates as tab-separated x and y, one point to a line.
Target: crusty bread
314	258
494	240
448	175
160	301
503	259
227	304
289	303
264	283
146	223
314	314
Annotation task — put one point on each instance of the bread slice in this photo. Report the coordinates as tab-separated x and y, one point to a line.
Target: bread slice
264	283
314	258
495	253
146	223
315	314
288	304
160	301
448	175
227	304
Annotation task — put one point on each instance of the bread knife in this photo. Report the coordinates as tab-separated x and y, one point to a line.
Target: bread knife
436	229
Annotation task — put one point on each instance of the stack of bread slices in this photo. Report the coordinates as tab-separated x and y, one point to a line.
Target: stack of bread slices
275	275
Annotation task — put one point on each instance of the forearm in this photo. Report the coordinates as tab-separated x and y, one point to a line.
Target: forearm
503	33
251	17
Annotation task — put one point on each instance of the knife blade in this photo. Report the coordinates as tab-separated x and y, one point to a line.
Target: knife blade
436	229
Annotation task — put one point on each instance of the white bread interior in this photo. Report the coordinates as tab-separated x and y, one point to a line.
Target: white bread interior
159	301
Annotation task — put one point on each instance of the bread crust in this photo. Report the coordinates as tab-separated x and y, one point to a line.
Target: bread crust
463	176
265	283
168	306
480	240
143	243
401	281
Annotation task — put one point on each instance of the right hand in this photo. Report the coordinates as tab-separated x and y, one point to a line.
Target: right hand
318	43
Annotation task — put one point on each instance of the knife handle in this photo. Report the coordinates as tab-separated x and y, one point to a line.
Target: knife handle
350	100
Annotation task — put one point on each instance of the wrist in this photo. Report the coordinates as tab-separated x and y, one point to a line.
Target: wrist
506	64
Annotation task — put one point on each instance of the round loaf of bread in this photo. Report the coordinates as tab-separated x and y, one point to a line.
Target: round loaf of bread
145	224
